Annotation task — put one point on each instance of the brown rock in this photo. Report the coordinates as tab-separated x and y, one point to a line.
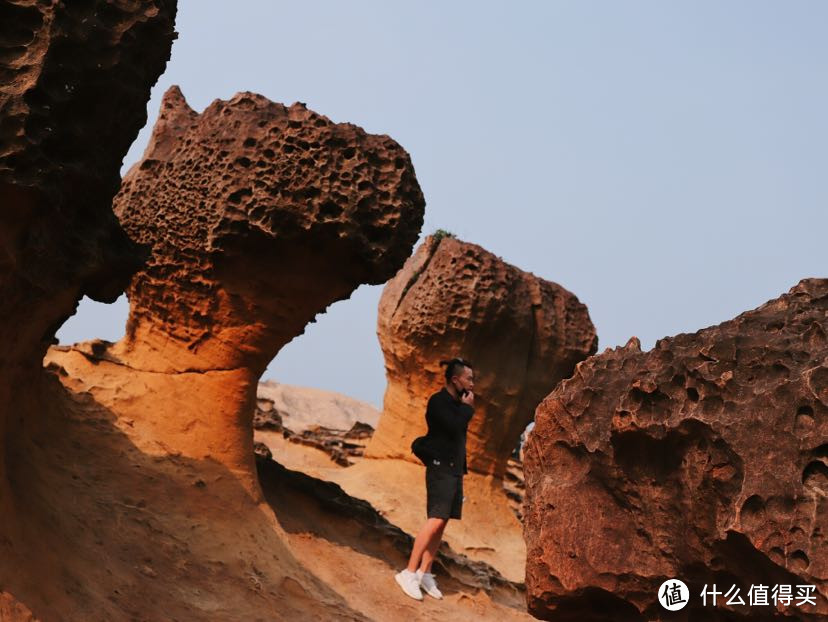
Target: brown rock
73	96
703	459
240	209
259	216
522	334
75	79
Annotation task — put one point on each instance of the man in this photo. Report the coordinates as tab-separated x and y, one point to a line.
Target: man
447	415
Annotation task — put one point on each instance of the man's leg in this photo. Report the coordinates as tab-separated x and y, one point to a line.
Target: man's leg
431	550
432	531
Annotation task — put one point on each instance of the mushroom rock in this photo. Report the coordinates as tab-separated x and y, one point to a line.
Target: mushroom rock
75	79
704	459
258	217
523	334
255	217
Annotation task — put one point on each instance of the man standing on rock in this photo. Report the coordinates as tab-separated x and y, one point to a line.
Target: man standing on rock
447	415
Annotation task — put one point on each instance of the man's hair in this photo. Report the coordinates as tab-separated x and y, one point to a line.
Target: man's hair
455	366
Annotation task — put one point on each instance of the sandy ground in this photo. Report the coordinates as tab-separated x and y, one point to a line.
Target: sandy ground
118	527
360	562
488	530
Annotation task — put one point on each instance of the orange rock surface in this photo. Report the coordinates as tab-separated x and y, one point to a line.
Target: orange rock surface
704	459
232	206
522	334
75	79
128	488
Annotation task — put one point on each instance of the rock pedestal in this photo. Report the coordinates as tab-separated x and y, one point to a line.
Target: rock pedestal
523	334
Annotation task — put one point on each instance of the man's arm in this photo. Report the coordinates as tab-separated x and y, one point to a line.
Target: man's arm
441	415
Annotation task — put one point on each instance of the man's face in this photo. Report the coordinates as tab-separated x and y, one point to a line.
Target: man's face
465	379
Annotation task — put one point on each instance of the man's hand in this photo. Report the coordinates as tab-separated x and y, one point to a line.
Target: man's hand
468	398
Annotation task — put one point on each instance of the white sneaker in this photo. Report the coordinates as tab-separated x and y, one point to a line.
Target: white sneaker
428	583
410	583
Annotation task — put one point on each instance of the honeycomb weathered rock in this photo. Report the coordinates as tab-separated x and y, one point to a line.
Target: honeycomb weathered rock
523	334
703	459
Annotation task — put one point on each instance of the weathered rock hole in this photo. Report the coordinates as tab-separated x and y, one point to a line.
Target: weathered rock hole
365	202
815	477
692	394
237	196
821	451
805	411
799	561
752	514
329	209
18	25
249	142
639	454
781	507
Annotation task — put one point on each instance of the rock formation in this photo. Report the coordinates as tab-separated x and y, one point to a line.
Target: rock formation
255	217
523	335
350	544
118	462
75	78
259	216
301	408
703	459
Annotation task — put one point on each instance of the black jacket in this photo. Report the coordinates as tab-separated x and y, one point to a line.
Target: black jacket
447	420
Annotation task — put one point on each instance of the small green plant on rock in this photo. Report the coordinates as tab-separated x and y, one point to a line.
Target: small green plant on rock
442	233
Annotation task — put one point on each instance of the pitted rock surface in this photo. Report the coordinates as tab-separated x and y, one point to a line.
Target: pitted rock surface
522	334
704	459
259	216
74	85
75	78
231	276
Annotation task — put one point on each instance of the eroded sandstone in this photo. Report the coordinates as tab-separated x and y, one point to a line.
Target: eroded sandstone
236	208
75	78
258	216
702	459
522	333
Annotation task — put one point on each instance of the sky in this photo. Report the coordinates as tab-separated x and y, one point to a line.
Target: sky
664	161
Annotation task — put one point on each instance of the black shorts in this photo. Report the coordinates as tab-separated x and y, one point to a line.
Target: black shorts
444	491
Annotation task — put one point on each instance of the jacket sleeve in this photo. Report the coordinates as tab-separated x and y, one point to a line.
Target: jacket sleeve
438	414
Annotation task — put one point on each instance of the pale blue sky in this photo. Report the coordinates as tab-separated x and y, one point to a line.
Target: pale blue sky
664	161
